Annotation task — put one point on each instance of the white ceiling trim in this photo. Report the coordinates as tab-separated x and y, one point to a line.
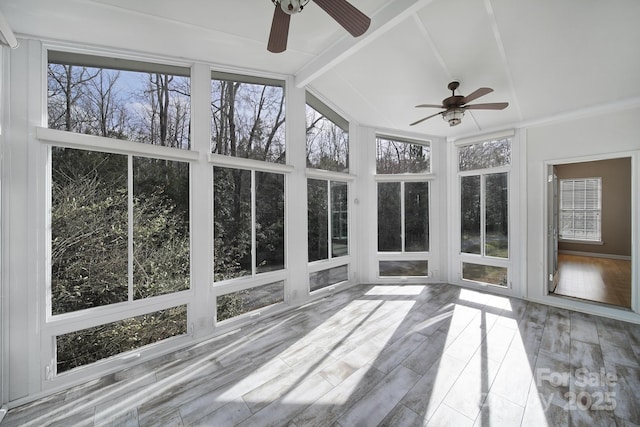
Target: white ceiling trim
425	33
381	22
503	55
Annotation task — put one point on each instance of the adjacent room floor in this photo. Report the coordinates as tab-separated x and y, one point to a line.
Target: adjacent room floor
602	280
379	355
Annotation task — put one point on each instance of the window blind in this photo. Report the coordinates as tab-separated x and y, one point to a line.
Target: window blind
580	209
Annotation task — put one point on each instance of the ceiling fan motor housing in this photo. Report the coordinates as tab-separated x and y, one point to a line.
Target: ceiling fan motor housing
291	6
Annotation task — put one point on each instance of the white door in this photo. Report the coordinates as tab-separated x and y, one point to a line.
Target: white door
552	232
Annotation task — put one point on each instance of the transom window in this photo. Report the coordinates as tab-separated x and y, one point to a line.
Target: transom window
327	137
580	209
117	98
395	156
247	117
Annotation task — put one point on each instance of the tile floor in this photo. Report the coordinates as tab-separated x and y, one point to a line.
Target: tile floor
407	355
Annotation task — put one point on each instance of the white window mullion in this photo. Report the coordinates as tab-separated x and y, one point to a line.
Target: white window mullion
130	226
402	219
329	221
483	213
253	224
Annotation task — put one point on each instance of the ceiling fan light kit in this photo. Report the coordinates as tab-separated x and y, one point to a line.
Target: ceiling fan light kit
453	116
455	105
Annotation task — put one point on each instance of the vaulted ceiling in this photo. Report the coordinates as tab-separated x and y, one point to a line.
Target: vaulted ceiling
545	57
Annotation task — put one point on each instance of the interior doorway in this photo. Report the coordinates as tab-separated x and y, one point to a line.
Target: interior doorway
589	235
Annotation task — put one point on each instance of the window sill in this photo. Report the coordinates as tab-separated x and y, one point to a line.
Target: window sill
582	242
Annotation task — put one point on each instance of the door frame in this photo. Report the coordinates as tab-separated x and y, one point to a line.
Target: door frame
586	305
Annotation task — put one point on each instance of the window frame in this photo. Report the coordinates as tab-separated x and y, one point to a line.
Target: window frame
402	178
60	324
459	258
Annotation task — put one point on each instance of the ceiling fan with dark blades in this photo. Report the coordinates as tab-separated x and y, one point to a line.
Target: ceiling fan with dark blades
455	105
354	21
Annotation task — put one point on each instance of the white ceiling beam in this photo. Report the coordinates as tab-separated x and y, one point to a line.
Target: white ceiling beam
6	32
382	21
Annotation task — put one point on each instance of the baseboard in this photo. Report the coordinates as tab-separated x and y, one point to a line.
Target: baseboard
596	255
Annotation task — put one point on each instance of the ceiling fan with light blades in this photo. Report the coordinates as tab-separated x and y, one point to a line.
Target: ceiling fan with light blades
455	105
354	21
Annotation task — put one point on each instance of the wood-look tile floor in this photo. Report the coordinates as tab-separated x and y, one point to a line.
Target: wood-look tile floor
388	355
595	279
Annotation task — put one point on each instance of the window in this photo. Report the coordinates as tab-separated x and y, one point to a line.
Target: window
92	244
248	222
327	137
393	156
580	209
328	216
248	116
100	342
485	214
330	276
120	99
403	216
483	155
119	212
484	211
236	303
403	207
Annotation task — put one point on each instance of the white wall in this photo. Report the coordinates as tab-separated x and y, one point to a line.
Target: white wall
605	135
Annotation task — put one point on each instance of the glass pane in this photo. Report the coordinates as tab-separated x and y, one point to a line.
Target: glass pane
416	216
160	226
100	342
403	268
231	223
485	274
240	302
339	220
389	221
497	215
483	155
318	219
89	229
470	214
327	143
402	157
328	277
148	107
269	222
248	120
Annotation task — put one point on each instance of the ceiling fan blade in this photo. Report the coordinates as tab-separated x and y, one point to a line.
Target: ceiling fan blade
430	106
477	94
428	117
279	31
354	21
490	106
